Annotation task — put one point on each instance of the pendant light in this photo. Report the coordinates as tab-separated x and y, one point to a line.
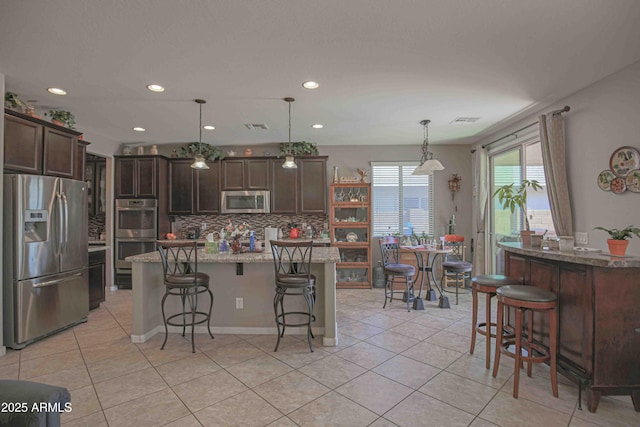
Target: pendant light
199	160
289	161
427	163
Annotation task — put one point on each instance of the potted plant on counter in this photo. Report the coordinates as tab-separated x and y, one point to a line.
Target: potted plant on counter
618	242
512	197
62	118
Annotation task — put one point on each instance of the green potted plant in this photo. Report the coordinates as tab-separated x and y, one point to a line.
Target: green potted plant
299	148
12	101
512	197
618	242
209	152
62	118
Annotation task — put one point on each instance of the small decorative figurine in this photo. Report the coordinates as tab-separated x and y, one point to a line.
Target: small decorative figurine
363	174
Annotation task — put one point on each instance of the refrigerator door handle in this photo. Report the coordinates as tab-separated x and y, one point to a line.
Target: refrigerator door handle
66	222
57	281
59	235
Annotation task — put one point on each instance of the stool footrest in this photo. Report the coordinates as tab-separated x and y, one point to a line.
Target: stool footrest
529	347
187	322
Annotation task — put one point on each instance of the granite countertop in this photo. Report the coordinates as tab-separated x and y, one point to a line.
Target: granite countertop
596	259
319	255
98	248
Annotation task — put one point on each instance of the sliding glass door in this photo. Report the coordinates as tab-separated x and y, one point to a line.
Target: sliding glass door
522	160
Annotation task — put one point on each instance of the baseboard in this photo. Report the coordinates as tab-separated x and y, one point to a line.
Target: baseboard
235	330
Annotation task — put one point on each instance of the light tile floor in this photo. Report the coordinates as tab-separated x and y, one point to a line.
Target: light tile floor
391	368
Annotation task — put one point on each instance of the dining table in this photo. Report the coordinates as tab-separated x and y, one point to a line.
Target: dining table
426	257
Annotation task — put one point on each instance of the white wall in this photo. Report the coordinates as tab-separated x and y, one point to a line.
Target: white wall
603	117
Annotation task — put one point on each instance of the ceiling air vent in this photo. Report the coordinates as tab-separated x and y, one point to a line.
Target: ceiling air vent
256	126
464	120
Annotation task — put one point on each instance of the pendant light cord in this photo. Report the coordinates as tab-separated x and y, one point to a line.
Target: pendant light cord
289	127
200	129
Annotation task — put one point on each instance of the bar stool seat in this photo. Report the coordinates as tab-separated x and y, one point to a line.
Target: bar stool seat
486	284
527	299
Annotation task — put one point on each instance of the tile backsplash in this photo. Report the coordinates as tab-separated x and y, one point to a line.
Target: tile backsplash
96	225
257	222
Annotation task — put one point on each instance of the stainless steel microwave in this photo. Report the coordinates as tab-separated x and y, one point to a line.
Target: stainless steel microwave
245	202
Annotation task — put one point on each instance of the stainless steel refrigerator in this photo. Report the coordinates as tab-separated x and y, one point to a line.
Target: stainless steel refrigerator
45	256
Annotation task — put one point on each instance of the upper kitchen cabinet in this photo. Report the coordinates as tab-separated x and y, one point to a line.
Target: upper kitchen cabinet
193	191
284	188
35	146
81	155
312	174
302	190
245	174
139	177
95	175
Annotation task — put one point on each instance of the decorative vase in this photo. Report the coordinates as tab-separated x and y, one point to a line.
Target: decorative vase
57	122
248	152
617	247
236	246
336	179
154	150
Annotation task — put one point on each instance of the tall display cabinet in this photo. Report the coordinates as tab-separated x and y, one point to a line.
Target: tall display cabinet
350	224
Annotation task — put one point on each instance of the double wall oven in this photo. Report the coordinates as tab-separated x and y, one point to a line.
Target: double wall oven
136	231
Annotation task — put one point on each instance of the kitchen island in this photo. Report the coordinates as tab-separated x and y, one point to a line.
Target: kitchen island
249	276
599	315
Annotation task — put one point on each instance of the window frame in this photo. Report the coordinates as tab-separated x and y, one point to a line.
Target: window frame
402	175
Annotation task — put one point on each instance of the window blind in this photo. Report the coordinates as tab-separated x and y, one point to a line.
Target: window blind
402	203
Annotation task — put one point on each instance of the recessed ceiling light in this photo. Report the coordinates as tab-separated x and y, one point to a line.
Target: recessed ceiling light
155	88
56	91
209	127
310	85
139	129
317	126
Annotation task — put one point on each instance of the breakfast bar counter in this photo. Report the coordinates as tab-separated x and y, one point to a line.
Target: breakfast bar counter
249	276
599	315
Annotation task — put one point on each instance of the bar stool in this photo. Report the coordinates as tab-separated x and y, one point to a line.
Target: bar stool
292	261
522	299
181	278
486	284
393	269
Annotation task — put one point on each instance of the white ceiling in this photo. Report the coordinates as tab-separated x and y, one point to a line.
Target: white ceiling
382	65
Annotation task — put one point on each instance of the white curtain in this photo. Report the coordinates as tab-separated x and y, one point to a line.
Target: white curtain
555	173
479	209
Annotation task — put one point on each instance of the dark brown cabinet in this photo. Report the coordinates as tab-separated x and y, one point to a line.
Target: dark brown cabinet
34	146
284	188
245	174
312	174
193	191
139	177
96	278
207	190
301	190
95	175
81	157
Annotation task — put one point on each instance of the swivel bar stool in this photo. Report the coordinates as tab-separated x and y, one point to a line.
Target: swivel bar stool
181	278
292	262
527	299
487	285
394	270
